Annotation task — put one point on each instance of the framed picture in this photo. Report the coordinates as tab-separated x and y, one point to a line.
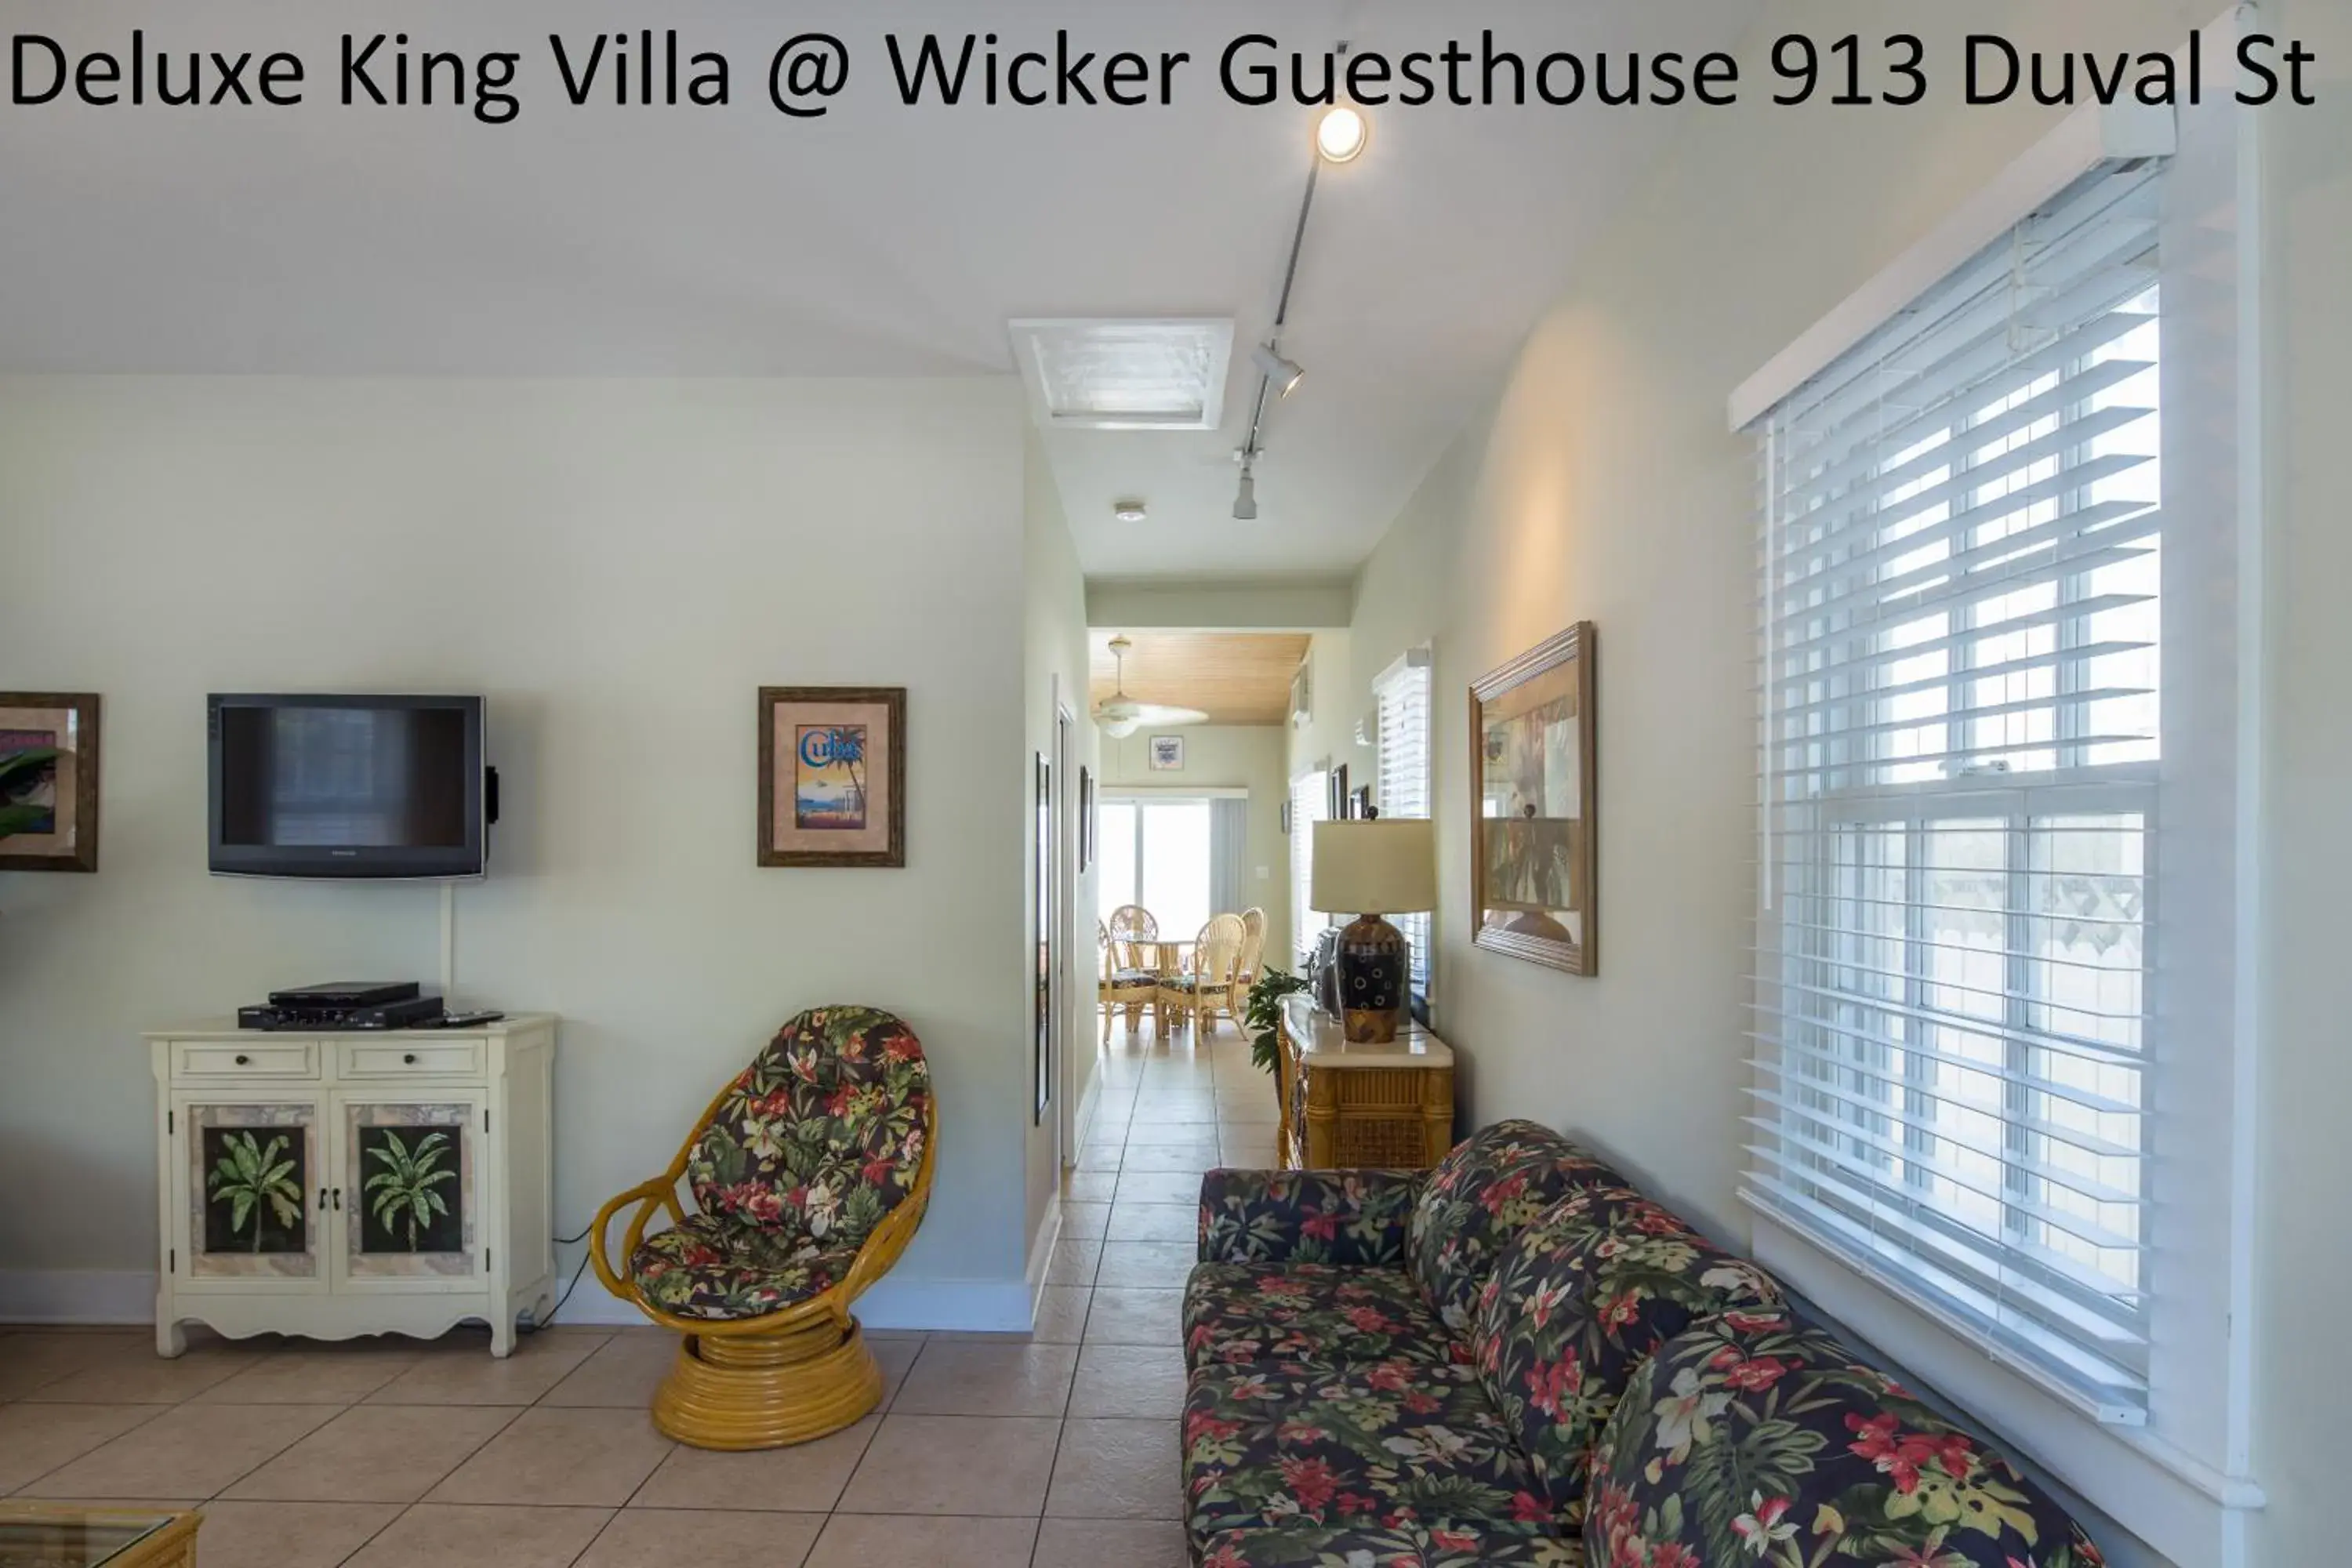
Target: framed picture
1362	810
1532	781
49	781
1166	753
1086	817
1335	802
833	775
1042	1023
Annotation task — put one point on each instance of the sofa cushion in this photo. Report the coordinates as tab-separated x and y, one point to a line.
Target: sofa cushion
1487	1189
1576	1300
1380	1444
822	1134
1313	1217
1407	1546
1752	1437
1313	1314
717	1269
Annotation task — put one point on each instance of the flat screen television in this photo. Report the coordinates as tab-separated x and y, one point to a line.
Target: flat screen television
347	786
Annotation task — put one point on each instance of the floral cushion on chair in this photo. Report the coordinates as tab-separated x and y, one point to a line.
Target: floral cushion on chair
823	1133
720	1269
1579	1300
1486	1190
1756	1439
1311	1314
1383	1445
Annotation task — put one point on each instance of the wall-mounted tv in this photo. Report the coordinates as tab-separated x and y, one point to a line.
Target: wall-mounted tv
347	786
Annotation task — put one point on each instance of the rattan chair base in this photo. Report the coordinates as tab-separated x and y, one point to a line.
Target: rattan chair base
767	1390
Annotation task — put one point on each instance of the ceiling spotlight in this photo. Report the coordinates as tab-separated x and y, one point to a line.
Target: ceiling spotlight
1284	373
1128	510
1245	498
1341	134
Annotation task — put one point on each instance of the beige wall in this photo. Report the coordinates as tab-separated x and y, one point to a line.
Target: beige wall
617	565
1600	484
1055	680
1225	756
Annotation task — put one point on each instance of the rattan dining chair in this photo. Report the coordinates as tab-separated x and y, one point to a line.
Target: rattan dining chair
1133	989
1205	986
1130	925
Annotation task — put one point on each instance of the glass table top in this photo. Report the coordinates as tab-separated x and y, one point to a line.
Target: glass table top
54	1535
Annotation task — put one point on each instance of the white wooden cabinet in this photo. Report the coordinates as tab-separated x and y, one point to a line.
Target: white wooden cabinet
333	1184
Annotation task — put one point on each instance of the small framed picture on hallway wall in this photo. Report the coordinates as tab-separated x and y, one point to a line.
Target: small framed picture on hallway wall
1166	753
833	775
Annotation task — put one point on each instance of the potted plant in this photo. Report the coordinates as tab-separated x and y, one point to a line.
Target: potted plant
1263	1014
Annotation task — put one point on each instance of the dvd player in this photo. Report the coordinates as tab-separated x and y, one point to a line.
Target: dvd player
414	1011
347	993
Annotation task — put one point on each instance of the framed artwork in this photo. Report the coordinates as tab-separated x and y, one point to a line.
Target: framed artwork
1042	1053
1532	783
48	800
1086	817
833	775
1335	799
1165	754
1362	810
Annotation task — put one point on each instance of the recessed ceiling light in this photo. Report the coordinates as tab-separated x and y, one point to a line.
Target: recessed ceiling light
1129	511
1341	134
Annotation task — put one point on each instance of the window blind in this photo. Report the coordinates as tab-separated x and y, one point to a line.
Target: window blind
1960	641
1402	696
1309	805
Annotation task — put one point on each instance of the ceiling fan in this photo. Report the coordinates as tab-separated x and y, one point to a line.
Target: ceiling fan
1122	715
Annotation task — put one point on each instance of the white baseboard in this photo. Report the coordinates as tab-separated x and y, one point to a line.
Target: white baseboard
128	1296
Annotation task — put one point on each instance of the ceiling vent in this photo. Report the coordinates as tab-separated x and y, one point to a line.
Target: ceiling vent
1145	375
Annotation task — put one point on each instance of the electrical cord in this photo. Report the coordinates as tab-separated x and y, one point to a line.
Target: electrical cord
539	1323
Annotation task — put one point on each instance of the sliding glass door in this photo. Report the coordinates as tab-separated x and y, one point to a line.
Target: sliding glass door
1156	853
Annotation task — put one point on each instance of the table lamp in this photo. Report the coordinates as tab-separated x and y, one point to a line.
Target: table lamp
1384	866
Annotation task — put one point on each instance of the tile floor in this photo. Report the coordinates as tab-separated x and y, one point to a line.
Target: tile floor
1056	1451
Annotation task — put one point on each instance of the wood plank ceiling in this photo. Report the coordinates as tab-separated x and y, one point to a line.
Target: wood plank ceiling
1237	678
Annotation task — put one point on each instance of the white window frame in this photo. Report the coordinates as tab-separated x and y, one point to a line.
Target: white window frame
1406	791
2183	1482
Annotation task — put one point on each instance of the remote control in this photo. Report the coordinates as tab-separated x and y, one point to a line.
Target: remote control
467	1020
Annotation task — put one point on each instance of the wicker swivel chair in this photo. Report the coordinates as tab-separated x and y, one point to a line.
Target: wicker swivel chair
810	1173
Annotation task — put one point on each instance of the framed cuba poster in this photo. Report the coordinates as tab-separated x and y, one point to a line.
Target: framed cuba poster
833	775
1532	830
49	781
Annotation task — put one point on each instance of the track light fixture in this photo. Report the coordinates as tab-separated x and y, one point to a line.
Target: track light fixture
1246	498
1284	375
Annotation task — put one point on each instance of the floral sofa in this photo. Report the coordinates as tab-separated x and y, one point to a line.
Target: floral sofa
1517	1359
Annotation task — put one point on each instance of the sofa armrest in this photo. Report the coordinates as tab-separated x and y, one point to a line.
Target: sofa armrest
1354	1217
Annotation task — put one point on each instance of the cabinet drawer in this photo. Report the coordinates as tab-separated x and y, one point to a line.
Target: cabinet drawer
241	1059
409	1059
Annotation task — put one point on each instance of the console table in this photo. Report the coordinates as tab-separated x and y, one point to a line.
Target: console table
332	1185
1348	1104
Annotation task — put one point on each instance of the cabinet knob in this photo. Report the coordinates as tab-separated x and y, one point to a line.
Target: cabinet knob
243	1060
409	1057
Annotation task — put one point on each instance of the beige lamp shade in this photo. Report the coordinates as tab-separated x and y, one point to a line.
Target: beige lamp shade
1384	866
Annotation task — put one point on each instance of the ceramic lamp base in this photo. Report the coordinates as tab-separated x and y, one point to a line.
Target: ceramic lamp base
1372	965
